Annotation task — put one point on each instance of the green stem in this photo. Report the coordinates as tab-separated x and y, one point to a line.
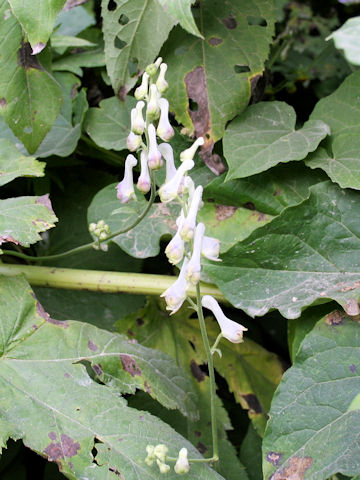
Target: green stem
90	245
210	362
213	348
194	460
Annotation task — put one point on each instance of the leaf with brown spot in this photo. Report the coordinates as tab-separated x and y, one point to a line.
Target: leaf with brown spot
205	92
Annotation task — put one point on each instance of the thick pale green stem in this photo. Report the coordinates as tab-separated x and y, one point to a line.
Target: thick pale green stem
100	281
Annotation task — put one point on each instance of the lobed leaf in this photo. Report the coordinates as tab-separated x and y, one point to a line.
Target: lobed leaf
180	10
312	433
13	164
346	38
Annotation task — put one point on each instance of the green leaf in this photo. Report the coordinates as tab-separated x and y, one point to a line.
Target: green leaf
251	454
37	18
269	192
13	164
24	84
306	254
143	240
133	33
109	125
91	432
23	218
66	41
73	21
264	135
310	431
75	62
355	404
180	10
210	80
346	38
341	111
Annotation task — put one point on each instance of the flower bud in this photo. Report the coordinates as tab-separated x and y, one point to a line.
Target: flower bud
133	141
125	189
92	227
153	107
176	293
193	269
150	459
144	182
167	153
160	452
231	330
164	129
163	467
182	463
142	91
154	156
190	152
137	121
211	248
168	191
188	227
152	68
161	83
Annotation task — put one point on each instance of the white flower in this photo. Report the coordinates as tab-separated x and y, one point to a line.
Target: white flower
167	152
175	249
231	330
142	91
133	141
164	129
153	108
144	181
125	189
176	293
182	463
188	227
189	153
211	248
161	83
193	269
137	121
154	155
189	188
168	191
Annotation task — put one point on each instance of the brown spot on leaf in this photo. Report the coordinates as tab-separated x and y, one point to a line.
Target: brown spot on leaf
252	402
52	435
65	448
130	365
352	368
196	371
69	446
213	41
335	318
42	313
97	369
74	90
116	472
147	388
140	322
277	192
45	200
122	93
130	333
8	238
348	288
230	22
3	102
67	375
59	323
197	433
54	452
295	471
201	447
26	59
274	458
92	346
224	211
352	307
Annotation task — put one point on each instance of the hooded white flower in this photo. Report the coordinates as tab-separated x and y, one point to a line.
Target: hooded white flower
176	293
189	153
189	188
125	189
211	248
176	248
153	107
144	181
231	330
164	130
133	141
167	153
161	83
168	191
193	269
142	91
182	463
137	120
188	227
154	155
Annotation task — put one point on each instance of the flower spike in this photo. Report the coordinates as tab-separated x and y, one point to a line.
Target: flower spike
168	191
125	189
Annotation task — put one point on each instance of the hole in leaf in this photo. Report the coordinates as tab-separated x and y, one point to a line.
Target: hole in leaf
207	136
111	5
118	43
241	69
193	106
260	21
133	67
123	19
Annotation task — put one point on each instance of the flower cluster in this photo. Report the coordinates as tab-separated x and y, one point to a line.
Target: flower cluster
158	454
101	230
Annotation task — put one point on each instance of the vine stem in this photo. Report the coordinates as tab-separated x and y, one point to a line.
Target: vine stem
210	362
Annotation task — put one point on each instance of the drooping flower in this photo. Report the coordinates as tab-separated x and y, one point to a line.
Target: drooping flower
154	155
153	107
193	269
137	121
175	295
167	153
125	189
168	191
144	181
161	83
142	91
189	153
231	330
182	463
133	141
188	227
211	248
176	248
164	130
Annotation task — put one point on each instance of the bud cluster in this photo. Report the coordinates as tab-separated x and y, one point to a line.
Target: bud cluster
158	454
101	230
